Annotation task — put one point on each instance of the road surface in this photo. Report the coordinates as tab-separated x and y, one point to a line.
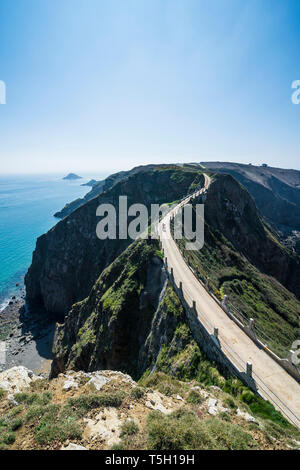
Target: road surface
272	381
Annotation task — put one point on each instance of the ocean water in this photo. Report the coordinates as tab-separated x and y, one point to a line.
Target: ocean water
27	205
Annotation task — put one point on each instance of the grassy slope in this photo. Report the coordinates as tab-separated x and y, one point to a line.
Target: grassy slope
47	416
255	295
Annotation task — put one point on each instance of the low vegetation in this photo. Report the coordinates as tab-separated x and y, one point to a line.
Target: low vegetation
83	404
182	430
47	416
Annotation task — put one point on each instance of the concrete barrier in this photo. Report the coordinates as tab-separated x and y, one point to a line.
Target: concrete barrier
209	343
249	369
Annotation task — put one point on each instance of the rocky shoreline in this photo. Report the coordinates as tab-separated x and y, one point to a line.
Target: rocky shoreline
27	337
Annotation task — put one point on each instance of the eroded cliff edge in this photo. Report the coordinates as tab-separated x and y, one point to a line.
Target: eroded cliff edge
130	316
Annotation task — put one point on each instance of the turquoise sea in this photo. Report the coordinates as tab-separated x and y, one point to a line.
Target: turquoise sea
27	205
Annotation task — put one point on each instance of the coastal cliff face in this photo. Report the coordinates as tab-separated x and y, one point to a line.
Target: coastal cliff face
108	329
130	315
69	258
276	191
230	209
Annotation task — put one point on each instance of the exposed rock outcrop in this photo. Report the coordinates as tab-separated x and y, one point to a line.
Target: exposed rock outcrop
16	379
159	412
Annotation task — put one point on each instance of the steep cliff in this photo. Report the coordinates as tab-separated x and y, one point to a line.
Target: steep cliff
110	327
69	258
231	210
132	321
130	315
276	191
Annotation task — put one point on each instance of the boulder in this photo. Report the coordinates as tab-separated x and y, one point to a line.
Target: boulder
16	379
72	446
246	416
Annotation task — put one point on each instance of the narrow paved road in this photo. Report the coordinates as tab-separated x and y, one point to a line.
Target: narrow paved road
272	381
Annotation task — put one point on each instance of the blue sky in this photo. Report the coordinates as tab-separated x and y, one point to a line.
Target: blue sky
104	85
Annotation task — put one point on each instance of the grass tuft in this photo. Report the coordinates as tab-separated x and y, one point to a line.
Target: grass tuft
182	430
129	428
83	404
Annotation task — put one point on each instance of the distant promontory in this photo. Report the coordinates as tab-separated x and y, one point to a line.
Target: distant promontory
72	176
90	183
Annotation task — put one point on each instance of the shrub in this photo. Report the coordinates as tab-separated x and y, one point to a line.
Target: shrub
30	398
163	383
264	409
52	423
195	398
247	396
119	446
228	436
60	430
178	431
39	385
85	403
273	430
183	431
128	428
3	422
224	416
25	397
8	438
137	393
16	424
230	403
36	412
15	411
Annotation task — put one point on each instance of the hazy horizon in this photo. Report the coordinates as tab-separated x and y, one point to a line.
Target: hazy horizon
103	174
